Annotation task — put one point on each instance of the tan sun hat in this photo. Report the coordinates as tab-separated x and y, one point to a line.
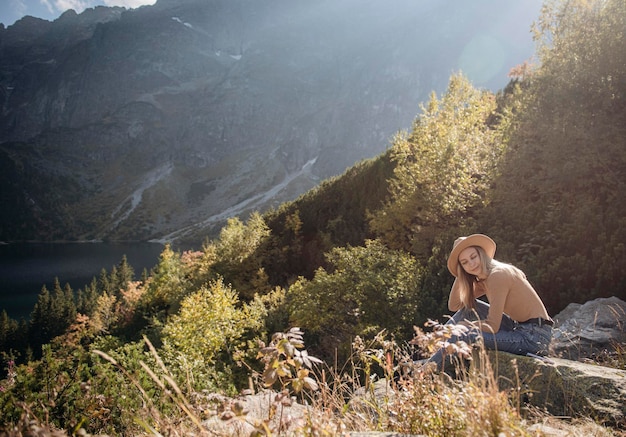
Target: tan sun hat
461	243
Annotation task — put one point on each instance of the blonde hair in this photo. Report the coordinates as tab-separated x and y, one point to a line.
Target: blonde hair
467	281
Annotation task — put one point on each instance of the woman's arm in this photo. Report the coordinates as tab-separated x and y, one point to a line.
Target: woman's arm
454	301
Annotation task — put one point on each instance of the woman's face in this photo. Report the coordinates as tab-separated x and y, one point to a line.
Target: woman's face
469	259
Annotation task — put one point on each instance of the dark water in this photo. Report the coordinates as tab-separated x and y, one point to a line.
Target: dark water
26	267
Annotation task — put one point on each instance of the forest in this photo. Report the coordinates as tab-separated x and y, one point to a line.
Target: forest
539	166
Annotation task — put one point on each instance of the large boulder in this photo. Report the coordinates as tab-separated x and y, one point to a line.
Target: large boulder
572	383
588	330
563	387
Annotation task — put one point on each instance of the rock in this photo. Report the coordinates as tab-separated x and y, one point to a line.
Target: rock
561	387
564	387
584	331
567	386
249	413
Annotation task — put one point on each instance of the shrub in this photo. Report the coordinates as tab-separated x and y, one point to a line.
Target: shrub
367	289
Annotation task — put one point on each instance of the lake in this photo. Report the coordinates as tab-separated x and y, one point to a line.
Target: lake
26	267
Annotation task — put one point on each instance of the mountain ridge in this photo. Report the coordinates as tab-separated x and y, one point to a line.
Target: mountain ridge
234	97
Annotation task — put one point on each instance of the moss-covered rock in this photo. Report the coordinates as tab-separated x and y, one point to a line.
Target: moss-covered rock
562	387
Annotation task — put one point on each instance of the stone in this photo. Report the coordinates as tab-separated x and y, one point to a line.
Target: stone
571	383
250	413
587	330
563	387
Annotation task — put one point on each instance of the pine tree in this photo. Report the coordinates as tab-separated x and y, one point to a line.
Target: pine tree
124	274
39	327
69	307
52	315
104	282
86	300
8	330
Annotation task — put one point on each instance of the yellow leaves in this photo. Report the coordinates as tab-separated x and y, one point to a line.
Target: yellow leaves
444	166
132	294
104	315
77	332
238	240
209	321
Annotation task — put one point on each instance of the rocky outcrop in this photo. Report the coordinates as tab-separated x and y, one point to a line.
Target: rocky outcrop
590	330
560	387
564	387
571	382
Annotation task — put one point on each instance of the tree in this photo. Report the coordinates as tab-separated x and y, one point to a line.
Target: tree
52	314
124	274
558	204
444	168
168	285
104	282
104	316
39	327
236	257
366	289
8	331
86	300
211	322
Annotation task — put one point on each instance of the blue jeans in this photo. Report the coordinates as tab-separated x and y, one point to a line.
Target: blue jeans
516	338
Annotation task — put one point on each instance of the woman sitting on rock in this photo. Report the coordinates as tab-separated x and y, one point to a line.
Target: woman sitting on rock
514	320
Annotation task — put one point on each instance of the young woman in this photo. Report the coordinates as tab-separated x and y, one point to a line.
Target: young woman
514	320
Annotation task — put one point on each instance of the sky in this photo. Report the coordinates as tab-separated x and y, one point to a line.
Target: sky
13	10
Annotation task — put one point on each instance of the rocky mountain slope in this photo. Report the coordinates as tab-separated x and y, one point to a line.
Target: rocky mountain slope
160	122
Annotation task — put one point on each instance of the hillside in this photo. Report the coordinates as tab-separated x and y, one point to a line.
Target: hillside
544	175
162	122
355	270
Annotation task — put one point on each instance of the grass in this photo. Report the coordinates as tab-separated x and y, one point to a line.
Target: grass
297	395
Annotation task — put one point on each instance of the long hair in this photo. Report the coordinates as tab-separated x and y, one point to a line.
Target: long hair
467	282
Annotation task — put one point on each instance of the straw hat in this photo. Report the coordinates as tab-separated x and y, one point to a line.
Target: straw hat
461	243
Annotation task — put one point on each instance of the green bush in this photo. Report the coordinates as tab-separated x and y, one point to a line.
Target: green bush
366	289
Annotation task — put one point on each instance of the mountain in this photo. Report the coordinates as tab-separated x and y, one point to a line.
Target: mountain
161	122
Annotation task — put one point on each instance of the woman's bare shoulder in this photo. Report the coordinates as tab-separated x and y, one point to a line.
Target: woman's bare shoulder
503	271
